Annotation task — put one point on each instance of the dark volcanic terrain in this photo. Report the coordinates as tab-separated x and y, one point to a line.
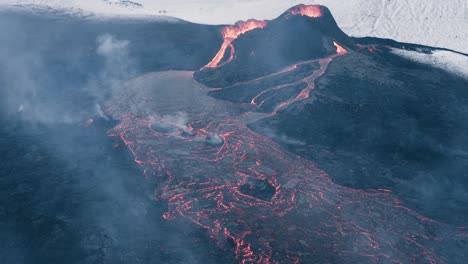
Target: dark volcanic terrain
282	141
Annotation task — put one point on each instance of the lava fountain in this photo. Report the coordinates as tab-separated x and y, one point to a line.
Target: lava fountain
230	33
308	10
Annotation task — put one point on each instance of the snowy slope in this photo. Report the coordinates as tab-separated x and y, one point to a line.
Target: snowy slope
446	60
430	22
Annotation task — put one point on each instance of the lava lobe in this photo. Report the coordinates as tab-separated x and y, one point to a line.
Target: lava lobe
243	187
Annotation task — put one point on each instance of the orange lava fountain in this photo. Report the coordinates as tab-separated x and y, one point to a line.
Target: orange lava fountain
230	33
310	11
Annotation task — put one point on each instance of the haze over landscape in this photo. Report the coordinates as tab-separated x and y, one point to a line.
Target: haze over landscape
428	22
283	138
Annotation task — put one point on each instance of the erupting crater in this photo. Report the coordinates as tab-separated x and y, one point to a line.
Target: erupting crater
230	33
308	10
302	33
242	186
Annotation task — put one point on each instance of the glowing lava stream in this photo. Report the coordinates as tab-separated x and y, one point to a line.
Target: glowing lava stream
221	186
309	80
304	94
230	33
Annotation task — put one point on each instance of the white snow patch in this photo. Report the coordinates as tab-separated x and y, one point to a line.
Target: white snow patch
89	8
428	22
446	60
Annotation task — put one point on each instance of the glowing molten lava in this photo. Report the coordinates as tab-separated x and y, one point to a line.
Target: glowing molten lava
221	185
308	10
215	172
339	50
230	33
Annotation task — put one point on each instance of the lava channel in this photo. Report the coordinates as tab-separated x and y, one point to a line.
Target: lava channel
256	198
308	80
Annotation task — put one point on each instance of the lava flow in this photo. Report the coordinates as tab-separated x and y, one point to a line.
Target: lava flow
308	80
339	49
250	193
230	33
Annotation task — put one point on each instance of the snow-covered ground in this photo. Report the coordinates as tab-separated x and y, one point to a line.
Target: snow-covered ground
430	22
446	60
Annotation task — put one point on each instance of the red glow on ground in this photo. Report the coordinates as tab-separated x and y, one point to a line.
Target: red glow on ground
230	33
372	49
308	218
310	11
339	49
88	122
219	56
309	80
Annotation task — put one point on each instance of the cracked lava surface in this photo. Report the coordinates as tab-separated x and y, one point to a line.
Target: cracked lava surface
250	194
